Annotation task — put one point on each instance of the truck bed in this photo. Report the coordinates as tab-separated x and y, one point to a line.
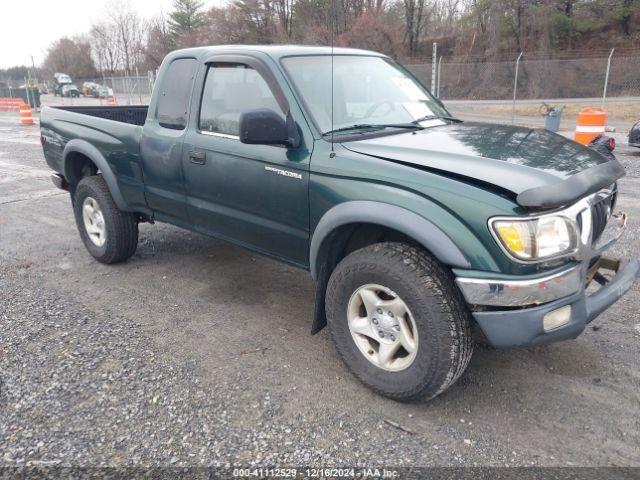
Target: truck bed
134	115
110	134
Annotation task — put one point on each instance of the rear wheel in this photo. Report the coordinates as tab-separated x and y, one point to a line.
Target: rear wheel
398	321
108	233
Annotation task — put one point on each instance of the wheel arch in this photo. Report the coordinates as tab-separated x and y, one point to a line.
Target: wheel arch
76	151
333	238
392	217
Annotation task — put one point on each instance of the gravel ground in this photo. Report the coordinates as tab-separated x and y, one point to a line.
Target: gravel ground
196	352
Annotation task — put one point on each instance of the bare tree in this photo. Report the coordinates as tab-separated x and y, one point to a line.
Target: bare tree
374	7
416	13
105	47
625	13
490	29
284	11
446	12
256	18
129	30
71	56
158	42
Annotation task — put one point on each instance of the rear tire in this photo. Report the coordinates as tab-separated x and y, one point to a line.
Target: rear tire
109	234
415	304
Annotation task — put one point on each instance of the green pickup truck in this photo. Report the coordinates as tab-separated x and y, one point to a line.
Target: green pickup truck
419	230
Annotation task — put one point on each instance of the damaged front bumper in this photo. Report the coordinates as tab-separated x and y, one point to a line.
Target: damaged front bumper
515	312
529	326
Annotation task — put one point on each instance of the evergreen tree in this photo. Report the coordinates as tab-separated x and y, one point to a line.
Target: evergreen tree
185	18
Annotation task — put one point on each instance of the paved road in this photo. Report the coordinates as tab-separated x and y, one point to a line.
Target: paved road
196	352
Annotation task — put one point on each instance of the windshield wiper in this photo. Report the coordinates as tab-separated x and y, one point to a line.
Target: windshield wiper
436	117
373	126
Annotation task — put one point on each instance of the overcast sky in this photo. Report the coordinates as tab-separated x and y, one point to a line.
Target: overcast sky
29	26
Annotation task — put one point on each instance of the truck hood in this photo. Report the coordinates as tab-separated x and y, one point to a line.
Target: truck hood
543	169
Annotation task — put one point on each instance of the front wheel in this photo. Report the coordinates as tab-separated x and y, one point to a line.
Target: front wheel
398	321
108	233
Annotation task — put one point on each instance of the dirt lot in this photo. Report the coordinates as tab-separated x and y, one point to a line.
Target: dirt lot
196	352
621	113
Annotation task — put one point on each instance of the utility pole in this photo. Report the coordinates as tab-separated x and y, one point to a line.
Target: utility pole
439	70
33	66
433	67
26	91
606	78
515	87
138	85
32	79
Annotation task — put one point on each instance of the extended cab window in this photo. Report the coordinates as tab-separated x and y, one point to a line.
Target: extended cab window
173	103
229	90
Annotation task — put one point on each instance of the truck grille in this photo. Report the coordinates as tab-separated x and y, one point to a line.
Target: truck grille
600	213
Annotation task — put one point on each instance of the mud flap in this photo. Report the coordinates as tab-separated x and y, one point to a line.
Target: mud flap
319	312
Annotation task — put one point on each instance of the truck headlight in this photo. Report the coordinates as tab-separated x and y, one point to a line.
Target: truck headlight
537	238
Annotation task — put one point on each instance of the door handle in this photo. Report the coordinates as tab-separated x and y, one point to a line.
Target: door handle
198	157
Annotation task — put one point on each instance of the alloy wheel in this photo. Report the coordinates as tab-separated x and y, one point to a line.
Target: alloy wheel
382	327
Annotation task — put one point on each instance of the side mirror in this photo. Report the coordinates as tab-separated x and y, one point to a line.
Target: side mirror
263	126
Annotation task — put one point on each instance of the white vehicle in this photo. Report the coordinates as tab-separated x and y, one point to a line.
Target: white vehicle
70	91
60	80
105	92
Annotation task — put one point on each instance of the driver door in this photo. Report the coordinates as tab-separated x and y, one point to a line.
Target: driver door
254	195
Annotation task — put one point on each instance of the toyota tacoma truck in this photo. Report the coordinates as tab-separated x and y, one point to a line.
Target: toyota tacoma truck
418	229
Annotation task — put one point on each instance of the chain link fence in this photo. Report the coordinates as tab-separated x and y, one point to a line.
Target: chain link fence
537	79
127	90
134	89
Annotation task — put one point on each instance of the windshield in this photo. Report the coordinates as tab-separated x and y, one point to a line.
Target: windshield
367	90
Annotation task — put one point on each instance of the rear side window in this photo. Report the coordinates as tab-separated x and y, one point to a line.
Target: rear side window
173	103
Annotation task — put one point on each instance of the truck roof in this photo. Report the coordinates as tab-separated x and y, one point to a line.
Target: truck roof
274	51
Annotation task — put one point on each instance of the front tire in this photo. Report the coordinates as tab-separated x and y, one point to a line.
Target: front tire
109	234
398	321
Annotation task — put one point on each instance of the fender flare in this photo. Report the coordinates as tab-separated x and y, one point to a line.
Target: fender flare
411	224
88	150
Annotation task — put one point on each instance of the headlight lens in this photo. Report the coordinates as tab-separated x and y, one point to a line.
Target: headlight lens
536	238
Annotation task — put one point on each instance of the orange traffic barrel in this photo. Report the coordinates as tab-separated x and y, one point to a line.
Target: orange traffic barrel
111	101
10	104
26	117
591	124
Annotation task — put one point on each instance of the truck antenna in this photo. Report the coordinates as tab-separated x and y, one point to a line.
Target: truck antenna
333	20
